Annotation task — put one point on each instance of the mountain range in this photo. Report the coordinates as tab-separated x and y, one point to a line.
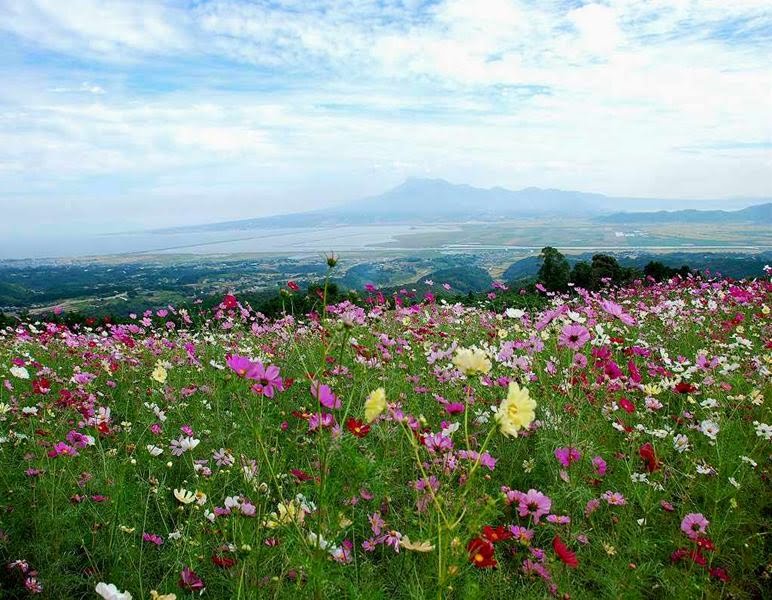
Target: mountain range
438	201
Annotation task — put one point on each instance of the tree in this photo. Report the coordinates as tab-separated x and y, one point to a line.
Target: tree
605	267
581	275
555	271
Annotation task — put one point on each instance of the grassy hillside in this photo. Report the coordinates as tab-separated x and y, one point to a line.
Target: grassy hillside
607	446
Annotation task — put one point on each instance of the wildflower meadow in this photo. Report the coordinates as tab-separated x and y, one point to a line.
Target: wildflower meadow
610	444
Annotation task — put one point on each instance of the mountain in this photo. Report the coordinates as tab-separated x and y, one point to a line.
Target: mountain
760	213
436	201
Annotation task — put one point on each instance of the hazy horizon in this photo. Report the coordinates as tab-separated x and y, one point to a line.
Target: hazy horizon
124	115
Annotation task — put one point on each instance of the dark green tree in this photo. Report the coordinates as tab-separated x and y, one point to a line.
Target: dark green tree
555	271
581	275
605	267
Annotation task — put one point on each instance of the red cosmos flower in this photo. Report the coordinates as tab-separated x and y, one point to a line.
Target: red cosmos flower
646	452
224	562
301	475
627	405
293	286
705	543
229	302
685	388
357	428
564	554
41	386
481	553
719	573
496	534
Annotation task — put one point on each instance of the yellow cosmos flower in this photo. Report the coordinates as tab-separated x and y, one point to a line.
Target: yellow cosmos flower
159	373
516	411
375	404
471	360
156	596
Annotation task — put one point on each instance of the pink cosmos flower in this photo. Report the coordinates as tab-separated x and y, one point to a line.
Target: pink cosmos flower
376	523
534	504
600	465
574	336
615	310
436	442
694	525
190	581
614	498
521	534
152	538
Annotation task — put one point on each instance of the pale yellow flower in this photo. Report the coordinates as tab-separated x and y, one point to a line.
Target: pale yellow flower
471	360
185	496
287	512
516	411
405	543
375	404
156	596
159	373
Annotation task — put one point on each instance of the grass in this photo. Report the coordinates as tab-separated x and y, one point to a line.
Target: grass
76	515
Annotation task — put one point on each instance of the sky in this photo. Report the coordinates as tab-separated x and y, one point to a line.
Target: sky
124	114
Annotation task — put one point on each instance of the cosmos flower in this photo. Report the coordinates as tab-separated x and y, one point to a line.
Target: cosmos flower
185	496
471	361
516	411
325	395
563	553
190	581
567	456
109	591
534	504
574	336
20	372
358	428
481	553
159	373
694	525
267	379
239	364
375	404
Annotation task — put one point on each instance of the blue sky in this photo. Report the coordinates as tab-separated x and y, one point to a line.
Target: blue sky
119	114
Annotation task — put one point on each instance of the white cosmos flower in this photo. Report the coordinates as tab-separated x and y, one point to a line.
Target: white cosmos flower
109	591
681	443
154	450
20	372
709	428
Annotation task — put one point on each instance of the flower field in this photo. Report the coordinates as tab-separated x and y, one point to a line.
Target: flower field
611	445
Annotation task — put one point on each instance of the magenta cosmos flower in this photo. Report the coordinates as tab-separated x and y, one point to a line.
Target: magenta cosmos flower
574	336
240	364
694	525
268	379
566	456
325	395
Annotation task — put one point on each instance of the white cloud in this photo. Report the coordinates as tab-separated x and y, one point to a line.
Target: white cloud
322	101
